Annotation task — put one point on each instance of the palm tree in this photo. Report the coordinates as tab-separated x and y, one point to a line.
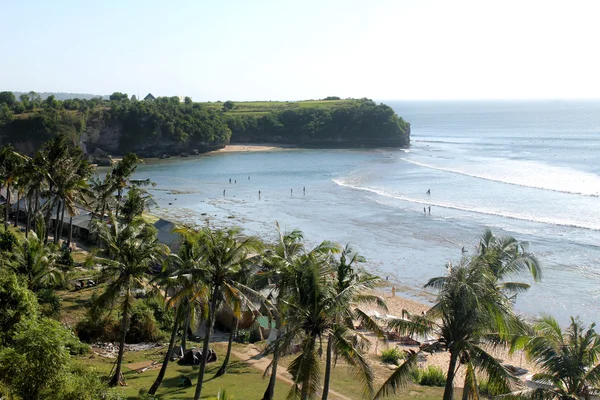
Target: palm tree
316	310
10	165
132	251
276	273
186	292
470	311
222	258
138	200
505	256
121	173
569	359
101	194
352	286
38	262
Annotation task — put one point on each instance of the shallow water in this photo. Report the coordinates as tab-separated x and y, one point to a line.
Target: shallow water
528	169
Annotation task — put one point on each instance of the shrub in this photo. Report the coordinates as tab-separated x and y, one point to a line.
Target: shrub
487	388
95	327
165	317
392	355
430	376
142	325
7	241
49	303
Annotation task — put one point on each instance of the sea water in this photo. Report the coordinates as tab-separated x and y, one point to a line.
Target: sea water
526	169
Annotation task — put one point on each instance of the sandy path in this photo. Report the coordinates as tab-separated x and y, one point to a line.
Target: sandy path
253	357
231	148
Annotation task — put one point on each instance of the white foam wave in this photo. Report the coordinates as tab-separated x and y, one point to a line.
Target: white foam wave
529	174
479	210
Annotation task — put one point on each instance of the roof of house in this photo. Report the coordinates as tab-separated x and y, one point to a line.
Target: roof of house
149	97
166	235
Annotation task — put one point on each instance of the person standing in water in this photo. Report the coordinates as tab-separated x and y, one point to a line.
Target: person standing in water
248	177
428	191
291	192
304	190
230	180
259	194
424	211
429	210
223	192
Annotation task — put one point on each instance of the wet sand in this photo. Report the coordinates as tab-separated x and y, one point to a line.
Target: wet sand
244	148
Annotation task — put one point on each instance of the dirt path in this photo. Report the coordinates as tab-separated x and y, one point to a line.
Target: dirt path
254	357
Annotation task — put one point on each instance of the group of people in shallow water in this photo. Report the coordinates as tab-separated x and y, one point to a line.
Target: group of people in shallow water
425	209
259	193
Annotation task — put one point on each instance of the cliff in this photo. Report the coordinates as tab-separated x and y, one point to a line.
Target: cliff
166	126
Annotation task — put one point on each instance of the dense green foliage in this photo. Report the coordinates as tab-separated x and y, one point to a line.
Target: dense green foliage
430	376
393	355
352	123
167	125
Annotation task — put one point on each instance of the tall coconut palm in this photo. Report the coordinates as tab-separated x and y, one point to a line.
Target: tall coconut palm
352	288
316	311
137	201
101	195
186	292
222	257
277	274
507	257
569	359
132	252
469	312
120	175
10	167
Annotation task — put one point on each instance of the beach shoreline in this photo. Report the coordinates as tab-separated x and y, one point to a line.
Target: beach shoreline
253	147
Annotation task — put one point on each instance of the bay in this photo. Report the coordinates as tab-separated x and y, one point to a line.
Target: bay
529	169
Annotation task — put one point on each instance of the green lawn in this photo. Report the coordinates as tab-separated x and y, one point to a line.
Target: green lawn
257	108
241	381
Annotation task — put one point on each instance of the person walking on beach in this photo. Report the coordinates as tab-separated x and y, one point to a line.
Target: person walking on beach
429	210
259	194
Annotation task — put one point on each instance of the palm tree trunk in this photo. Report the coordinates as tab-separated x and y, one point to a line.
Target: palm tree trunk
232	332
449	390
62	219
17	214
118	203
50	204
57	221
70	232
270	392
186	327
163	369
209	327
327	368
28	222
7	206
117	376
306	381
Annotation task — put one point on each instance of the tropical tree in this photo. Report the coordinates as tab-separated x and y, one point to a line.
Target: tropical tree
38	261
277	274
133	250
137	201
569	359
121	173
316	310
352	288
469	312
507	257
222	258
101	194
188	294
10	167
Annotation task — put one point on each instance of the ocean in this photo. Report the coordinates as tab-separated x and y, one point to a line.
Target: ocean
530	169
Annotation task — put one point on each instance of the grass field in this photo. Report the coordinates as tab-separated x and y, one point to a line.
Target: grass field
257	108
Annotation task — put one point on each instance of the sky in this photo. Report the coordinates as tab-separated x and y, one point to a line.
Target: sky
292	50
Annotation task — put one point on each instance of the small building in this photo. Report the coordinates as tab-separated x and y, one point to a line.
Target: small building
149	97
166	235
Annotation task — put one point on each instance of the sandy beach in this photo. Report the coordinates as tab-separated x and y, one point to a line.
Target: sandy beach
395	306
245	148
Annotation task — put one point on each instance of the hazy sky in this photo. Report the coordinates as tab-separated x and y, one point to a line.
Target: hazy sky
288	50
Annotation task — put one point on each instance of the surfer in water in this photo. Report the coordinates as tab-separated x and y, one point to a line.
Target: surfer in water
428	191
